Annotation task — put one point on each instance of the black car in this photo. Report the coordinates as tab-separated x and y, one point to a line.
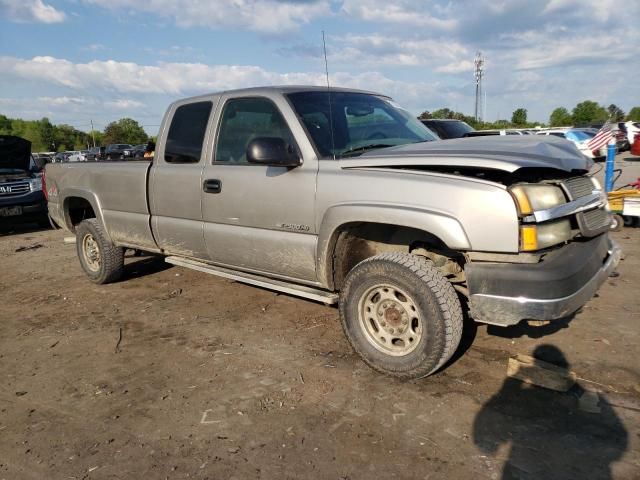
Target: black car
118	151
138	151
96	154
21	194
448	128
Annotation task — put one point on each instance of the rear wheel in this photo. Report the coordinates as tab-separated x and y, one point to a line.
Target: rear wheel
100	259
401	315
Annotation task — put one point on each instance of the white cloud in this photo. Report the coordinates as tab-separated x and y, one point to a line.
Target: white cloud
378	49
162	78
460	66
405	12
94	47
101	84
265	16
28	11
123	104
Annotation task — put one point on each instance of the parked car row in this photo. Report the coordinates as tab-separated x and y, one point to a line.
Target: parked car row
115	151
623	132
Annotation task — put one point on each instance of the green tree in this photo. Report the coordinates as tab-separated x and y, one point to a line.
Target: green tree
519	117
634	114
560	117
5	125
443	113
125	130
46	133
616	114
589	111
425	115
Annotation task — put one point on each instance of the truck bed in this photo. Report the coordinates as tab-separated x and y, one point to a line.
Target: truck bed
117	192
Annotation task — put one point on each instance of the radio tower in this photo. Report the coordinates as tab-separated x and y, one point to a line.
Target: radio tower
479	73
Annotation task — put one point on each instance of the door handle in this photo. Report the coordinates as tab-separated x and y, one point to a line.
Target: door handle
212	185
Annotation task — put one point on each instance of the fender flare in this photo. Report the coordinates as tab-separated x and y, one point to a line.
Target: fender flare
442	225
85	195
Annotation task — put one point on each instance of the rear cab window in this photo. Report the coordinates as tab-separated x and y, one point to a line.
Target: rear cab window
187	132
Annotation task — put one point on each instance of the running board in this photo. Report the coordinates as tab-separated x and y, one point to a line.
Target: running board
279	285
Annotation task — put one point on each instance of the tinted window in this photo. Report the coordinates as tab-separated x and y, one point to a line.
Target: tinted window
557	134
449	129
186	134
245	119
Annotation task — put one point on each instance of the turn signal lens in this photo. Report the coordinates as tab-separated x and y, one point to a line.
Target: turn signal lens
537	237
528	238
522	201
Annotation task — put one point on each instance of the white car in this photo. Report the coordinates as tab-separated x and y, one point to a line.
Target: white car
580	138
631	128
78	156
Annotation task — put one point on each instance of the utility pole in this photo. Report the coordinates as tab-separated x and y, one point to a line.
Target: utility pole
93	135
479	73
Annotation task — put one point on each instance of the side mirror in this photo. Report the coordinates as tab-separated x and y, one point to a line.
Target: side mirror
272	151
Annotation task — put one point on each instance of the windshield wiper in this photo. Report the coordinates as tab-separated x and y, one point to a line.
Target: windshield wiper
364	148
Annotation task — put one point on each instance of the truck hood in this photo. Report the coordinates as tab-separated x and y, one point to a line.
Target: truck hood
15	153
507	153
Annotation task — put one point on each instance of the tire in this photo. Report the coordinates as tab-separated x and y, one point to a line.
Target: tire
99	258
617	222
415	325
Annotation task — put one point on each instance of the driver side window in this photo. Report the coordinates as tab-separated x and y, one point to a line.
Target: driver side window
243	120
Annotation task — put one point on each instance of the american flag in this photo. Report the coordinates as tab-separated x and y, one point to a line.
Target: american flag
602	138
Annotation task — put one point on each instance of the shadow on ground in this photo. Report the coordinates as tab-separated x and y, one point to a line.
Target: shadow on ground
537	433
10	226
142	265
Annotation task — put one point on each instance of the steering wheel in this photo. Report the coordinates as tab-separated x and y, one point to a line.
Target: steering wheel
377	136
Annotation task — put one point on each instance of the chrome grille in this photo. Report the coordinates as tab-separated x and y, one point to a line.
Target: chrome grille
594	220
14	189
578	187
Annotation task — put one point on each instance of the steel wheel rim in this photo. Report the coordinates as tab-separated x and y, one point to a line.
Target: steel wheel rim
91	252
390	320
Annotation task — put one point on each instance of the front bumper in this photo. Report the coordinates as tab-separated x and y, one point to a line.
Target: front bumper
32	204
505	294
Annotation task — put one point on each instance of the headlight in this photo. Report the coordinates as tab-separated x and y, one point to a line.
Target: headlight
530	198
537	237
35	184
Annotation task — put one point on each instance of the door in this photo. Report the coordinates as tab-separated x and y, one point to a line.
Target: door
176	182
256	217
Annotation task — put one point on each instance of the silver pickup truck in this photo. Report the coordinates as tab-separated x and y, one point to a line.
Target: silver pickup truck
341	196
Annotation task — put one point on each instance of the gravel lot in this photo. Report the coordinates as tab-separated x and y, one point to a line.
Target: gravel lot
177	374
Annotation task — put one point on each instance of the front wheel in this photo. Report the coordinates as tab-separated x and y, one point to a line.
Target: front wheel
100	259
617	223
401	315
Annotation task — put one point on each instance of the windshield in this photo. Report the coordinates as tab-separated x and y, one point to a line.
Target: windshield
360	121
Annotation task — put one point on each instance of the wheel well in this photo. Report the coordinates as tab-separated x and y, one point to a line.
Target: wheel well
76	210
358	241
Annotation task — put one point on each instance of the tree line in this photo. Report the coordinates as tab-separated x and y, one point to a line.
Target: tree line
583	113
47	137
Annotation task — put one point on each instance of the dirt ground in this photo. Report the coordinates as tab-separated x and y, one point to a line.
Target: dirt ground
173	373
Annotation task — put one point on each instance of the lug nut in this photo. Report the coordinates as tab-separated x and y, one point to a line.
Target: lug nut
391	330
384	324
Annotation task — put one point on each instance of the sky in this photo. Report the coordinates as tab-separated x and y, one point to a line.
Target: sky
83	61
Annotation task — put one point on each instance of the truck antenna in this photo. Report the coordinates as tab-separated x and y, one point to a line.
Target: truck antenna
326	71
